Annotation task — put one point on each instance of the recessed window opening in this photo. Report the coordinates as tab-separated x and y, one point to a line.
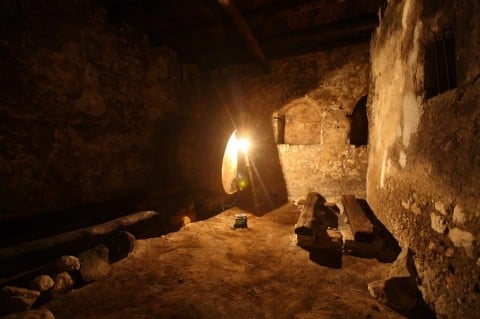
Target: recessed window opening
359	123
298	123
439	67
279	128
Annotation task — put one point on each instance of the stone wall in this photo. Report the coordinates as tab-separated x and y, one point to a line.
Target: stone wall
83	105
316	94
313	168
424	164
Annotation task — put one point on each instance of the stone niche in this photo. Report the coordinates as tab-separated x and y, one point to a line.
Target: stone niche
424	164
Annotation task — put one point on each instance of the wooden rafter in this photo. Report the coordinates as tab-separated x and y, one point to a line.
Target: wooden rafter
244	29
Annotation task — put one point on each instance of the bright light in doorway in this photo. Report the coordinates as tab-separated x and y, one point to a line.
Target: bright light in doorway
243	145
234	146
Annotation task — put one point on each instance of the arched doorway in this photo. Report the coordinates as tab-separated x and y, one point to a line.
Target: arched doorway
359	123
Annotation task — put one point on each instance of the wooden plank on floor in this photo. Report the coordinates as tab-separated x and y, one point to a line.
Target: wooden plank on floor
361	226
307	215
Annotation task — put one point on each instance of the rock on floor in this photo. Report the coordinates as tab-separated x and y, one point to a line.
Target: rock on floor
64	263
14	299
31	314
63	282
41	283
94	264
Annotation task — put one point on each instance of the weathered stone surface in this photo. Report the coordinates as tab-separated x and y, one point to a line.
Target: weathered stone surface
63	282
462	238
64	263
31	314
438	223
440	139
404	265
305	169
114	89
440	207
94	263
41	283
14	299
120	245
459	216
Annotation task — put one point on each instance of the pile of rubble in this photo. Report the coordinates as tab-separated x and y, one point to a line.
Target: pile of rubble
33	288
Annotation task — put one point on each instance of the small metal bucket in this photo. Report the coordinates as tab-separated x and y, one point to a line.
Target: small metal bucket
240	221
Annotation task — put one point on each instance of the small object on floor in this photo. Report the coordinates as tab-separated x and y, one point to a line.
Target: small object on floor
240	221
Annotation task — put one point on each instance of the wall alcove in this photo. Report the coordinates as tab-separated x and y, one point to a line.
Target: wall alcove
359	123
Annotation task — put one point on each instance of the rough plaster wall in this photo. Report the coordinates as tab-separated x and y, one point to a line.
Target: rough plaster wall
202	141
327	83
424	163
82	105
313	168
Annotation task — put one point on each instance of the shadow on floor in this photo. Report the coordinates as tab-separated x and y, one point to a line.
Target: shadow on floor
390	248
327	258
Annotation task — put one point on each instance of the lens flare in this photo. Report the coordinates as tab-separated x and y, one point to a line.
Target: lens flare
243	144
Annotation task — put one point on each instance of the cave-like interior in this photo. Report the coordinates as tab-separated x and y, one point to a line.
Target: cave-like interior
239	159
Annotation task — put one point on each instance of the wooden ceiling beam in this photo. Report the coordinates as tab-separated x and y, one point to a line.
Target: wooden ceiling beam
219	37
266	23
286	9
295	43
243	28
322	34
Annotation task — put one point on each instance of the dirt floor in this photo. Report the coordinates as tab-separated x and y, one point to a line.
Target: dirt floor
210	270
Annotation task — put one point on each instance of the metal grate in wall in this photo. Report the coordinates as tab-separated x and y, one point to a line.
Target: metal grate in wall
439	67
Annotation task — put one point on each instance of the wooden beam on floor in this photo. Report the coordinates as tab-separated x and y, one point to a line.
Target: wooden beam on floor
25	254
307	215
361	226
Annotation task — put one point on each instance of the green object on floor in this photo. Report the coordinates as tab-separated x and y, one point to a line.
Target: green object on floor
240	221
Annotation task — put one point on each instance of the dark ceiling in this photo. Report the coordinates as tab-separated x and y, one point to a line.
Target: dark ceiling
213	33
